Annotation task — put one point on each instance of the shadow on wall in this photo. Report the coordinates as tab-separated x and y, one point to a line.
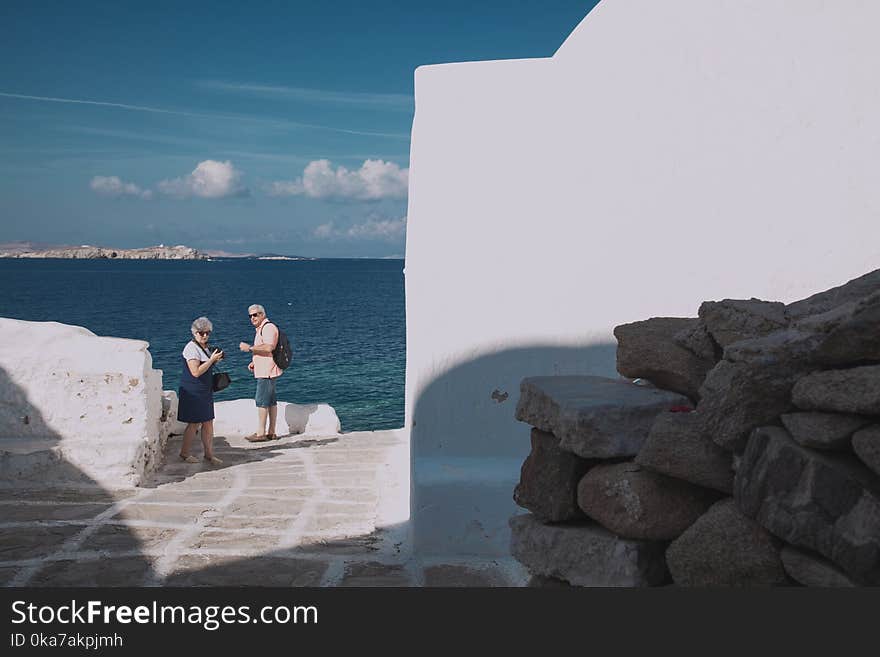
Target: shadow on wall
468	411
467	448
33	468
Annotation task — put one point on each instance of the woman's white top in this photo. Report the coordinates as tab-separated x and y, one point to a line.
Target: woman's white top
192	351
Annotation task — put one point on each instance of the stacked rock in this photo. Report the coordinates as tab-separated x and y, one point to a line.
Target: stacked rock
745	453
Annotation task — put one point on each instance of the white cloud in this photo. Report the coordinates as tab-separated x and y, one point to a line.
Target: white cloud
113	186
389	230
210	179
286	188
376	179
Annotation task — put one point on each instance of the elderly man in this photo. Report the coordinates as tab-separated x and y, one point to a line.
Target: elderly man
265	371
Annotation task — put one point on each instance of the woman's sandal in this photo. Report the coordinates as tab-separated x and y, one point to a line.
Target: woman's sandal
189	458
213	460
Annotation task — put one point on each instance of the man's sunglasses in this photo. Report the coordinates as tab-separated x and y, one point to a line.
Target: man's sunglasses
203	332
255	314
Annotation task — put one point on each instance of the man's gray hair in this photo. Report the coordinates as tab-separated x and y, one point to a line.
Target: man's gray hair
201	324
256	308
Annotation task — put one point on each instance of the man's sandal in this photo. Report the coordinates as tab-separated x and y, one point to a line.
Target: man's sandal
189	458
256	438
213	460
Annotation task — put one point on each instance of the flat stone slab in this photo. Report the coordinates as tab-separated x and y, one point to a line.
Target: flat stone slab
449	575
120	538
36	541
375	574
119	571
197	570
7	575
594	417
585	554
49	511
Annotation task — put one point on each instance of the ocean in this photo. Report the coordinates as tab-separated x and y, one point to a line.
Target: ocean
345	319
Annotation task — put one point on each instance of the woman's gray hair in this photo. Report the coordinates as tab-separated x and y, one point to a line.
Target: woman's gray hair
256	308
201	324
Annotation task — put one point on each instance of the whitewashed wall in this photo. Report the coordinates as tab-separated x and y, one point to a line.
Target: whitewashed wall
668	153
75	407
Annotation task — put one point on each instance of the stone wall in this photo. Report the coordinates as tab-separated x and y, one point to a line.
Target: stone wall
78	408
741	449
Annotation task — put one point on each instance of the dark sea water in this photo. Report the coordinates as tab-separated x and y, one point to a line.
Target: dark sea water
345	320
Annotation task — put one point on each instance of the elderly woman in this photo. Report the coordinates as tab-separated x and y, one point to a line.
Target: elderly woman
196	393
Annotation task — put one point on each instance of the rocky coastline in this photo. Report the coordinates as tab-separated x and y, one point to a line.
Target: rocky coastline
88	252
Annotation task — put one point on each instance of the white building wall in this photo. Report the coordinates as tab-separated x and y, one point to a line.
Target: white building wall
669	153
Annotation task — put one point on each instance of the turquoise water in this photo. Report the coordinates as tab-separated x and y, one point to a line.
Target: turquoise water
345	319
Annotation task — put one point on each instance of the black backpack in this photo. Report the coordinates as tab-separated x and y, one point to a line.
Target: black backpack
282	354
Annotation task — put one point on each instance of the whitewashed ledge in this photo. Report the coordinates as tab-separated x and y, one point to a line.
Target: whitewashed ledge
80	409
238	417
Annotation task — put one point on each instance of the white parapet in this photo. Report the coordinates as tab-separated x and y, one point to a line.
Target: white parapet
669	153
77	407
238	417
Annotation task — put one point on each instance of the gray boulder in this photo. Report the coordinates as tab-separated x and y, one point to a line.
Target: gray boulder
696	339
732	320
549	478
823	430
854	340
866	445
854	290
677	447
640	504
810	569
737	397
593	417
725	548
788	351
648	350
822	501
585	554
854	390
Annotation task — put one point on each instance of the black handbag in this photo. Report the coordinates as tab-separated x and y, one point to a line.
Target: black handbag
219	380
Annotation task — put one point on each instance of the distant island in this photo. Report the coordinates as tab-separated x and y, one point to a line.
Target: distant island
88	252
160	252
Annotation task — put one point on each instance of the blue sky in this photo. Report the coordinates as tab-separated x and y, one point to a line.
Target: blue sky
243	127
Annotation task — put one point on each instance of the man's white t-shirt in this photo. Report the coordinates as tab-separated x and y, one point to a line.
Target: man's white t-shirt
192	351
